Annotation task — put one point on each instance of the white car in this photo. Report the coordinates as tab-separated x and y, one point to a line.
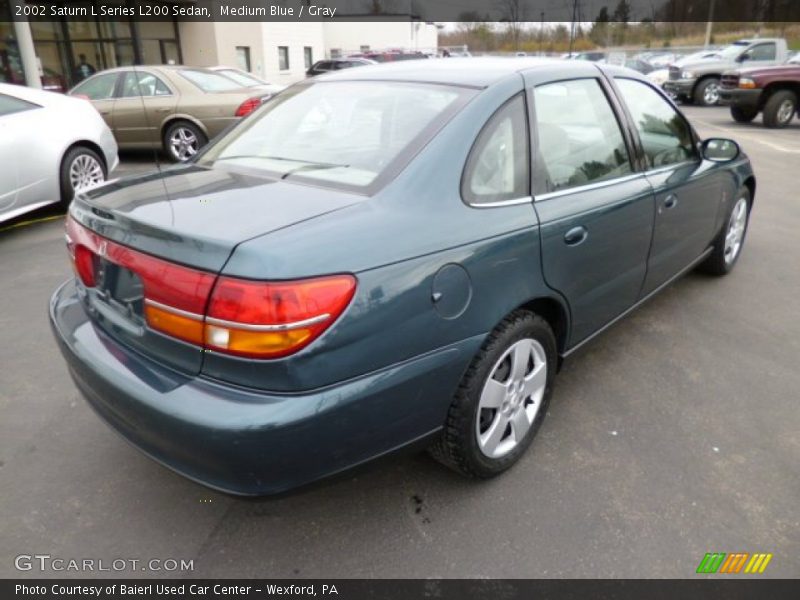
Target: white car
51	146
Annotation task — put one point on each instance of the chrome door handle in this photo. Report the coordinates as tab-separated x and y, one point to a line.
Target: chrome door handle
575	236
670	201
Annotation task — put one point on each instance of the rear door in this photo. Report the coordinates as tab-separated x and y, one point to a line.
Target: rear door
595	209
687	191
22	178
100	89
144	100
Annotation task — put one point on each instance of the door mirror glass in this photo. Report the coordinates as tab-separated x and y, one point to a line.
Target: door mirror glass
720	150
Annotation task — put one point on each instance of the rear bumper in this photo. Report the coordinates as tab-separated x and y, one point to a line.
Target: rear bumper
747	99
679	87
249	442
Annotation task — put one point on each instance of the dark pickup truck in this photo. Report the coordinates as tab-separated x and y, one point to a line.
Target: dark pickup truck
773	91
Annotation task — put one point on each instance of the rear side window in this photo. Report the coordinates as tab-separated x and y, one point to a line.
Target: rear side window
10	105
579	137
666	136
498	166
97	88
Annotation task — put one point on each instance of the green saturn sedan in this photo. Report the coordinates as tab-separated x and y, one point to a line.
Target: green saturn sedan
390	257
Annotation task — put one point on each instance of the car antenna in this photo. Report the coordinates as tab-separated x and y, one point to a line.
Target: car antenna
155	149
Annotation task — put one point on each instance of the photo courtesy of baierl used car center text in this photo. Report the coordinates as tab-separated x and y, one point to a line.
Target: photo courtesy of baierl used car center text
399	299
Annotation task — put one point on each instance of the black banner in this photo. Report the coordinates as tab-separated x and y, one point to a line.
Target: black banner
586	11
405	589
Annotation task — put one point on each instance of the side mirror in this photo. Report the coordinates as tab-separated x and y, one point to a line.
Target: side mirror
743	57
720	150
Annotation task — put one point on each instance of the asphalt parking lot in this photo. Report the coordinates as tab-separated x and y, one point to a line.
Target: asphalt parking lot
674	434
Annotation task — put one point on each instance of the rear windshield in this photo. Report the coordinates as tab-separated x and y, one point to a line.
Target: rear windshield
346	134
209	81
241	78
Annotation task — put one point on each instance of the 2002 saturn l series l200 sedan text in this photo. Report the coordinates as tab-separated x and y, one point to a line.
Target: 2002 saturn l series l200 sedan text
385	256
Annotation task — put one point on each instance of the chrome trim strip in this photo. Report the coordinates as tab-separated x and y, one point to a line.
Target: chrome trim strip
587	187
173	310
279	327
512	202
236	324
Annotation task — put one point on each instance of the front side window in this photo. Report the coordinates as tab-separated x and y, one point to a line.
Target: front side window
666	136
137	84
283	58
345	134
97	88
579	140
762	52
10	105
498	167
209	81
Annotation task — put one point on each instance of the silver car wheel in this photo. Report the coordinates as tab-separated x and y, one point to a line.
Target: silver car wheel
183	143
736	228
85	172
711	93
786	111
511	398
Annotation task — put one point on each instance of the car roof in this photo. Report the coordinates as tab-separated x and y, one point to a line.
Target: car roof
468	72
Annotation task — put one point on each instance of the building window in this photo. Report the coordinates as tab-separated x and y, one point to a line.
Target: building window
243	58
308	55
336	52
364	48
283	58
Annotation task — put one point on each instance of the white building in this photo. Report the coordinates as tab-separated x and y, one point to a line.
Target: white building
281	52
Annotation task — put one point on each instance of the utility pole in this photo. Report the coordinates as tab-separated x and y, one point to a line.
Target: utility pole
572	27
541	34
709	24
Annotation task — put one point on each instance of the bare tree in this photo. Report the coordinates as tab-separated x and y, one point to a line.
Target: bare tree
512	12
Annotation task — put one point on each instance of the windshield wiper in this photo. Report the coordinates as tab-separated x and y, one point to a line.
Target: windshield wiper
313	167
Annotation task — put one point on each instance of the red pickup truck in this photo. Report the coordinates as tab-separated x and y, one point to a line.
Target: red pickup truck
774	91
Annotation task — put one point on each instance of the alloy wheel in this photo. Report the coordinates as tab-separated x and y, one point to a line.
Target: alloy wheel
85	172
786	111
511	398
736	228
711	93
183	143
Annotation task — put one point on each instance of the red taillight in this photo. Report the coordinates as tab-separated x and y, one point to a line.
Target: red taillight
268	320
245	317
248	106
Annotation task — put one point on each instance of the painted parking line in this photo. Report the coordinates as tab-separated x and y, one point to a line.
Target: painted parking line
31	222
748	136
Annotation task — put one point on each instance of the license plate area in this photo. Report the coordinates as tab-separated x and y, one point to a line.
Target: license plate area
121	289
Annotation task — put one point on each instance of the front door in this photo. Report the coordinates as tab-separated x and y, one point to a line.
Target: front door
595	211
687	190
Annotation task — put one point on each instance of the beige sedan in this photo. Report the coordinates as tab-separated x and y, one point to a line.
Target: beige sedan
176	108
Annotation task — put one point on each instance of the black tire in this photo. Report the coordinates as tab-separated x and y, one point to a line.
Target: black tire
776	114
743	115
700	90
717	263
72	158
458	447
683	99
193	135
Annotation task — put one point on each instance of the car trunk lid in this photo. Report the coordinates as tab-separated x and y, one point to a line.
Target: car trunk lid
161	240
